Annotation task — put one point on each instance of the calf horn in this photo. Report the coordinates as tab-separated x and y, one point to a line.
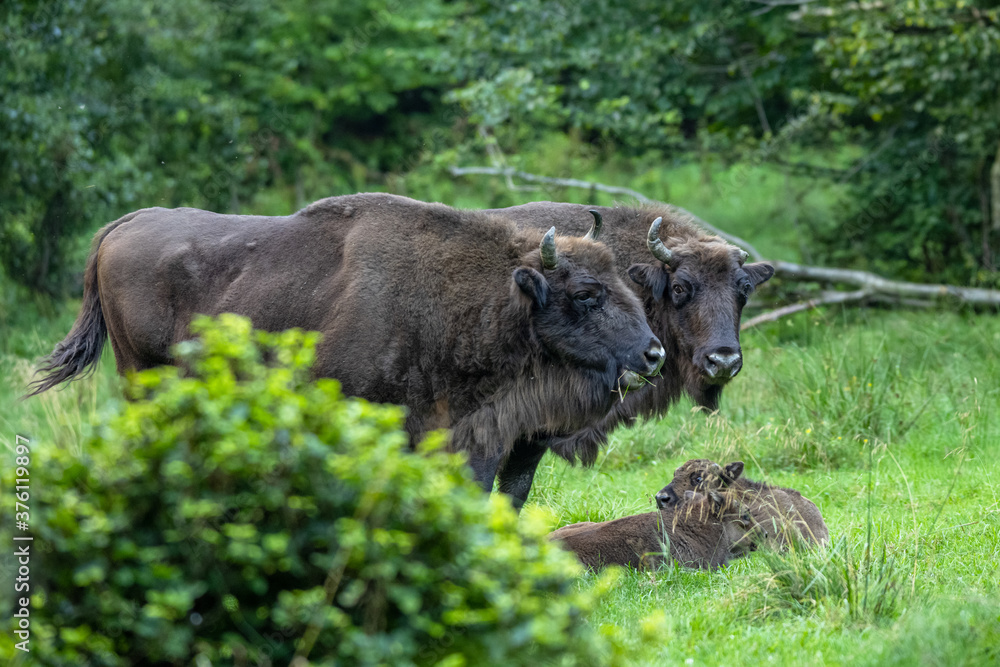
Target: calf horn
655	245
548	249
595	229
743	256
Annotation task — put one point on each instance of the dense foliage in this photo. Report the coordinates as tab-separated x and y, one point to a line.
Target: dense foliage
240	106
922	89
112	106
237	511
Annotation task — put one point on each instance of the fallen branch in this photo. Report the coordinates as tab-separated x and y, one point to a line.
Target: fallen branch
873	286
827	299
875	283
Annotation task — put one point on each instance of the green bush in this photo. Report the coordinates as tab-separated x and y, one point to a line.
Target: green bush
236	511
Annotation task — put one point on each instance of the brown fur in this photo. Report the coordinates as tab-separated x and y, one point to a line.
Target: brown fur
703	532
785	514
449	313
704	319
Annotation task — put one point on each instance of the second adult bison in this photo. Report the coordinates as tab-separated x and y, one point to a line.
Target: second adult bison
472	324
693	287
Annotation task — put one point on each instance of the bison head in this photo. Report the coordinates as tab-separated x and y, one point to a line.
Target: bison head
584	314
697	476
741	533
694	297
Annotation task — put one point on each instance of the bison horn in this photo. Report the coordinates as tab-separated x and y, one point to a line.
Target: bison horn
595	229
655	245
548	249
743	256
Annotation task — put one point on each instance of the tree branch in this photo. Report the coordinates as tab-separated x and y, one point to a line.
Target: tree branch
877	284
826	299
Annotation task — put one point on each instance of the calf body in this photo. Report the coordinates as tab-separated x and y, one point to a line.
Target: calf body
704	532
474	325
785	514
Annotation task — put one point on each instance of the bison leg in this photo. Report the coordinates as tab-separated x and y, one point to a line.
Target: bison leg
484	470
519	470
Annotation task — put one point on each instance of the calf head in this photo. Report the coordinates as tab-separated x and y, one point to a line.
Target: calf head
740	533
694	296
584	314
698	476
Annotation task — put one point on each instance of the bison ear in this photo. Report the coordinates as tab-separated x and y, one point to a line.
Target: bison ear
651	277
733	471
759	273
533	284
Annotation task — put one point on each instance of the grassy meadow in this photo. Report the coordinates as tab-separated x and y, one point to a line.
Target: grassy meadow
887	420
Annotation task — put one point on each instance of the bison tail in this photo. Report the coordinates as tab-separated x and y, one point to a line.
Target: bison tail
76	356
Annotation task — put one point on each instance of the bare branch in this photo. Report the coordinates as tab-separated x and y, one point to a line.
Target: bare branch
824	300
875	283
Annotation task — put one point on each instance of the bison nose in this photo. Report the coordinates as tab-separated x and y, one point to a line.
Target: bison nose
723	364
665	498
654	355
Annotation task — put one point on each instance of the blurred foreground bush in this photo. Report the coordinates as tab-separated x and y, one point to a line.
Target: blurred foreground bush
237	512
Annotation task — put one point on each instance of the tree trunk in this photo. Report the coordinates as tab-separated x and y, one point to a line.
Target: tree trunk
995	182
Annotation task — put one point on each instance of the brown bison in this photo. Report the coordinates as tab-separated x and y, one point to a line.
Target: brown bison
693	287
785	514
473	324
705	531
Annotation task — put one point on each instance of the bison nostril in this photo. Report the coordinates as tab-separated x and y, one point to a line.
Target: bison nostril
655	356
726	364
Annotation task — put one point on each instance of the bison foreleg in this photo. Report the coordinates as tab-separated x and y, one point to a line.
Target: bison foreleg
484	469
518	470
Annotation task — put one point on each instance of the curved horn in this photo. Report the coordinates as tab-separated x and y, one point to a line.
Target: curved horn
655	245
595	229
548	249
743	256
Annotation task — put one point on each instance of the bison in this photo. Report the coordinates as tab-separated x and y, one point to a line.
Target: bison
785	513
705	531
495	332
693	287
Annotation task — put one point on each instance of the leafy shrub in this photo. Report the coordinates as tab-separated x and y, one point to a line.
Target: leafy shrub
238	512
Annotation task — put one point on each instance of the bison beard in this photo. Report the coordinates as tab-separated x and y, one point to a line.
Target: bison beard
472	324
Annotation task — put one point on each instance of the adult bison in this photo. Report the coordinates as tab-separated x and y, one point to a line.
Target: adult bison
693	287
472	324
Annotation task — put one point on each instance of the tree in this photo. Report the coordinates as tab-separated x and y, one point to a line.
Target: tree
110	106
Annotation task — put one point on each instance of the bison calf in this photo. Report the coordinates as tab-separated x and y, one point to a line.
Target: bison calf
784	513
705	531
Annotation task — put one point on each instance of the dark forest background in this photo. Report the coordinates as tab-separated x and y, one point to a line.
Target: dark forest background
887	111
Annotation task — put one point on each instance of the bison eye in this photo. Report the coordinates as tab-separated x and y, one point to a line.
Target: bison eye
696	479
678	289
585	298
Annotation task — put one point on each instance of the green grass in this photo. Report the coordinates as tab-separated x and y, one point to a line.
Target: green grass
887	420
904	470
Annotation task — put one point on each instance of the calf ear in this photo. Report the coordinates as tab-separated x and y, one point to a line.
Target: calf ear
759	273
533	284
651	277
732	471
